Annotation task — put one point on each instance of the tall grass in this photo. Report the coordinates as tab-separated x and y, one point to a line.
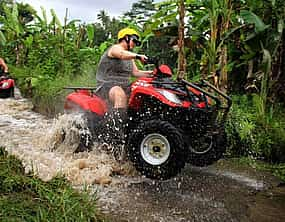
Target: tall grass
27	198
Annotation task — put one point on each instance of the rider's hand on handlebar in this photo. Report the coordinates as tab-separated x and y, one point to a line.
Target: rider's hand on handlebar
149	73
142	58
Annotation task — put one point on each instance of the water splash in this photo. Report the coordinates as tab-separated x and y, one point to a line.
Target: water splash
66	132
47	146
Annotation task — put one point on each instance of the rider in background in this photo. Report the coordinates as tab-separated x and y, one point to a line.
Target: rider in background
3	66
115	68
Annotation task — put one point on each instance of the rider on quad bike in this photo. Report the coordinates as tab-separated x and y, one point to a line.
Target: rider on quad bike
168	123
3	65
113	73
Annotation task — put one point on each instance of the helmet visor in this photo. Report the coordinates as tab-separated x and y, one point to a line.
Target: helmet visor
135	39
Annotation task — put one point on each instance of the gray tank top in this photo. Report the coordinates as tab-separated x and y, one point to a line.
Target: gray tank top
113	71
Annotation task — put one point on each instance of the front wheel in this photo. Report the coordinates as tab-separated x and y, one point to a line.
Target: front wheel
156	149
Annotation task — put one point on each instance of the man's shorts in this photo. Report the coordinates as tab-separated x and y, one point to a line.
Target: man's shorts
103	89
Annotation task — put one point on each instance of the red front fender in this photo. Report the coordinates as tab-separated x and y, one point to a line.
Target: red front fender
138	92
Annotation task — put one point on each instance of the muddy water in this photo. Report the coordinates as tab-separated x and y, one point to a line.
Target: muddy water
38	142
217	193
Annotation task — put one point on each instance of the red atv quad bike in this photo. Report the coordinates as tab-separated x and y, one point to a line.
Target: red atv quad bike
7	85
169	122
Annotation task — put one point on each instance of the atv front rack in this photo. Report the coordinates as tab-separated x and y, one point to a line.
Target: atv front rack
204	93
212	96
204	83
225	109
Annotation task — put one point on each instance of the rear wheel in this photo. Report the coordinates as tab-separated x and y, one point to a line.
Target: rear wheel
73	134
12	92
85	141
6	93
156	149
207	149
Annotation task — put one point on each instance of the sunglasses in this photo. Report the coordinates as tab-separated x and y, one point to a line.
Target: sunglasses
135	40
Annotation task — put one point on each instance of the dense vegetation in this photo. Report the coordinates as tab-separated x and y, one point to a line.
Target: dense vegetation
26	198
240	45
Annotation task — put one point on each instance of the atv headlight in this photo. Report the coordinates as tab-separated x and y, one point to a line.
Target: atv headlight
170	96
5	85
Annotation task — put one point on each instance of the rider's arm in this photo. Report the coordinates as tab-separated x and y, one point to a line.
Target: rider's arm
3	65
140	73
118	52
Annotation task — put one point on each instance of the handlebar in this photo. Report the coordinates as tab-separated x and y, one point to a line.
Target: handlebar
5	75
157	69
152	61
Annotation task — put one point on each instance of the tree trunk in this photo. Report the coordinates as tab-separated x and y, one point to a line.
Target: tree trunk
181	52
17	51
225	23
224	73
64	32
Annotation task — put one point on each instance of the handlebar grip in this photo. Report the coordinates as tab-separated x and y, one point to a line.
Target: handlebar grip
151	61
138	57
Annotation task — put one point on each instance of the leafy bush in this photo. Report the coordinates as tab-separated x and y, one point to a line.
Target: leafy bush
253	134
44	81
240	127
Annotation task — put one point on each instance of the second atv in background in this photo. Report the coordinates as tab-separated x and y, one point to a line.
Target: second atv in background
7	85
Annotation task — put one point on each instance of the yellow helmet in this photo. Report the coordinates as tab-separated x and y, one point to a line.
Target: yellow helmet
127	31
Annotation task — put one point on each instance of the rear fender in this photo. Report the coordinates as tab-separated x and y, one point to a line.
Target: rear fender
90	103
8	82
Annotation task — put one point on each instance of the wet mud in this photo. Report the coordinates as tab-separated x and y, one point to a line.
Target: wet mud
212	193
199	194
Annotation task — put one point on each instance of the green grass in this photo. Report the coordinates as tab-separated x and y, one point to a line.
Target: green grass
277	170
24	197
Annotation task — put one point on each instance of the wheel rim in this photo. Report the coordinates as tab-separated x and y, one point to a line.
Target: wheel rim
202	145
155	149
